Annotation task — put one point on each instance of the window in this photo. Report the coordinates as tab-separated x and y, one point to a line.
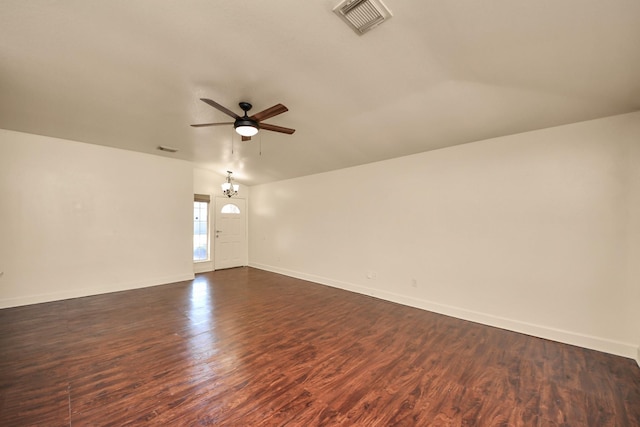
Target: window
230	209
201	227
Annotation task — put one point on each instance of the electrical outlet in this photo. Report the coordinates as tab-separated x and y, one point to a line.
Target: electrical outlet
414	283
371	275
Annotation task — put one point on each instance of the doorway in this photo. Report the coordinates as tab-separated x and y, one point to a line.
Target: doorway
230	233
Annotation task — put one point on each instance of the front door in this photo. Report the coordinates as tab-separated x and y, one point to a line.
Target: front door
230	235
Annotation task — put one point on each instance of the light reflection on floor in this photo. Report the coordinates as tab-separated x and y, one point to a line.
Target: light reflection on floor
202	328
203	334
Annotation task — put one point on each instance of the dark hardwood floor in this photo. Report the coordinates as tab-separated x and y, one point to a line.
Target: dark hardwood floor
244	347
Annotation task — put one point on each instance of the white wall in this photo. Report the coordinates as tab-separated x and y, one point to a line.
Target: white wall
633	258
208	182
527	232
79	219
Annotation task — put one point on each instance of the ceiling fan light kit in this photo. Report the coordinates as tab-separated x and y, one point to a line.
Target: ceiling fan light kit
246	129
244	125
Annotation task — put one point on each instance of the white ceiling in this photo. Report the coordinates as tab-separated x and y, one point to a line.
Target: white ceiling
129	74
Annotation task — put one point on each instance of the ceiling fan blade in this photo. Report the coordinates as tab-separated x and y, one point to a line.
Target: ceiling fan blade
246	138
220	108
267	126
211	124
270	112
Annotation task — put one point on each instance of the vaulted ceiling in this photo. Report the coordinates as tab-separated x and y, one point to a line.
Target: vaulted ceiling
129	74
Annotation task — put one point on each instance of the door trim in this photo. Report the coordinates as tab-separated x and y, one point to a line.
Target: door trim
219	202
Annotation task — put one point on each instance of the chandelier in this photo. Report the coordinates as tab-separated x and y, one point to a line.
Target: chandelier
229	189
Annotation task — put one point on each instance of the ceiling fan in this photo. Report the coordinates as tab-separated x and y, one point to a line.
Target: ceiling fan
249	126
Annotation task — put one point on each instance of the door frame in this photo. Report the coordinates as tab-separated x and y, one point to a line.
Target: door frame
219	202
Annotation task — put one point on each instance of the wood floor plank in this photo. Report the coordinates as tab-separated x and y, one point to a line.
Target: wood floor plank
244	347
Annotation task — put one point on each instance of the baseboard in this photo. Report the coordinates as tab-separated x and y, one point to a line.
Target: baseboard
582	340
78	293
202	267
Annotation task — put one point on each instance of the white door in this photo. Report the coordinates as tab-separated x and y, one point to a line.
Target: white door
230	233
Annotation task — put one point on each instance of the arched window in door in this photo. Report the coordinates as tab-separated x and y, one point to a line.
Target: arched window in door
230	208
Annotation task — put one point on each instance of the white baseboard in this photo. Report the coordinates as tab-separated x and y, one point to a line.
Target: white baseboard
84	292
202	267
568	337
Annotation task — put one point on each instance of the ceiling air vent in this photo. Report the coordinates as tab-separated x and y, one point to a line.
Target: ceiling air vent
362	15
167	149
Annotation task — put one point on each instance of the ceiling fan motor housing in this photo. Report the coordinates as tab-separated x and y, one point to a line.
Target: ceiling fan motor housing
245	121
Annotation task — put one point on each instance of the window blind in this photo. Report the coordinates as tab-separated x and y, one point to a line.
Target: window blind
202	198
